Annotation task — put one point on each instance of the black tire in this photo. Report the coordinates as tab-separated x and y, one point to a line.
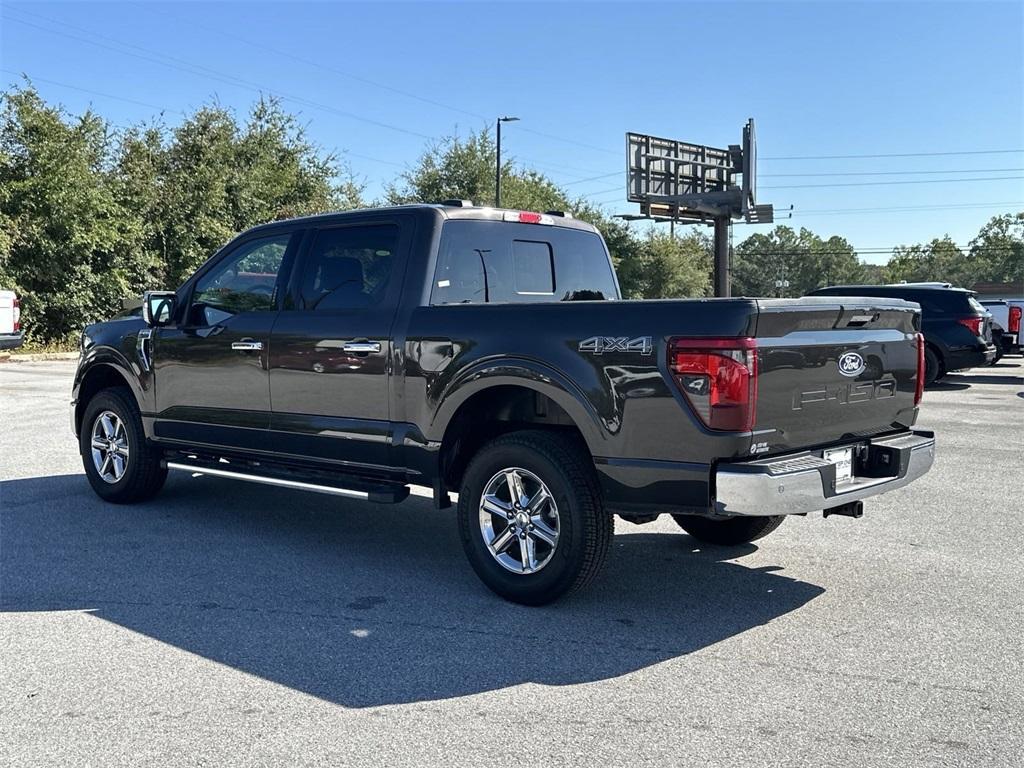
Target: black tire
143	474
585	527
933	369
729	532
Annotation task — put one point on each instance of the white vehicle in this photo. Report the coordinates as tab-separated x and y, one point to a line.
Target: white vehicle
11	334
1006	315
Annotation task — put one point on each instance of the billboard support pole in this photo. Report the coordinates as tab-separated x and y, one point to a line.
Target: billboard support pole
722	286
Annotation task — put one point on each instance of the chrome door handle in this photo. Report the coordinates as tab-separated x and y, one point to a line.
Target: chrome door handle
362	347
247	346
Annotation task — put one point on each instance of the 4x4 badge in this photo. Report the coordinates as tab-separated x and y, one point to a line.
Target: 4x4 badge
600	344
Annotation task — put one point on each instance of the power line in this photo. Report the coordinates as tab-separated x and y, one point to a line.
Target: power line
905	209
311	62
197	69
914	207
886	183
300	59
902	154
890	173
565	140
829	174
600	192
786	253
596	178
89	90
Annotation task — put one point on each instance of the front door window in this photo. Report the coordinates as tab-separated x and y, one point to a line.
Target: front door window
244	282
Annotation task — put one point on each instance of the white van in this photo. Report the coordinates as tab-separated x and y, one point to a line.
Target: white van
11	334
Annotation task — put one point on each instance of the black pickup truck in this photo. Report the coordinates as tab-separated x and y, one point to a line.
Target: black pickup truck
487	352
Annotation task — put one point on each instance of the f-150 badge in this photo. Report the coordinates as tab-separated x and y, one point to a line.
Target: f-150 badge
598	345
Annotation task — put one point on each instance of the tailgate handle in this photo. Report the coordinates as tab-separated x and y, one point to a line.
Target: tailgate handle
862	319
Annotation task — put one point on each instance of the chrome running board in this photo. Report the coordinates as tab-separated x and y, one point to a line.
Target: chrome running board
278	481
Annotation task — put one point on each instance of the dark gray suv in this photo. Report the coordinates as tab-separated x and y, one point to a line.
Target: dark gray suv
957	328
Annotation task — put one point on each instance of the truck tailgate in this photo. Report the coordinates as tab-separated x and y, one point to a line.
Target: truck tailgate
832	369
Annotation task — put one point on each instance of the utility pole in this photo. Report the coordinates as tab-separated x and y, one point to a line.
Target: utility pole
497	165
722	283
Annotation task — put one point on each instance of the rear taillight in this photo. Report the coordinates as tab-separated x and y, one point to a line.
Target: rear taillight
718	378
1015	313
919	387
973	324
17	315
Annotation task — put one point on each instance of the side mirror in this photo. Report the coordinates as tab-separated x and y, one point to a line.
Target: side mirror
158	307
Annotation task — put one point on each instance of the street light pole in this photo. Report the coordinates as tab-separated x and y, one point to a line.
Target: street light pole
497	166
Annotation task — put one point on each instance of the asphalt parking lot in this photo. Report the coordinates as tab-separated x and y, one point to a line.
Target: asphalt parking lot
229	624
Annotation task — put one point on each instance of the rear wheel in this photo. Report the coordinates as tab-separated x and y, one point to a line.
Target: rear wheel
121	466
933	370
728	532
531	517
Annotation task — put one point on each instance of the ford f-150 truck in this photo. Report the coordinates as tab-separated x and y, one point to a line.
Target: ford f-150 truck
488	352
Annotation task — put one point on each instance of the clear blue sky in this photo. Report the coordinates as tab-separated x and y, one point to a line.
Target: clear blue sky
819	78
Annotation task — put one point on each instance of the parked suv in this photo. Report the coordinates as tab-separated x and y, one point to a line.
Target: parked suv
957	328
11	334
488	352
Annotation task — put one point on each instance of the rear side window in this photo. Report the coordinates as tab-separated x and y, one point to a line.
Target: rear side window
489	262
349	267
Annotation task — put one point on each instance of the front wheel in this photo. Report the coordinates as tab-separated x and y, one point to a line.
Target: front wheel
121	466
728	532
531	517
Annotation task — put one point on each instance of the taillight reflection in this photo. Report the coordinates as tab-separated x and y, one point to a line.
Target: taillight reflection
919	388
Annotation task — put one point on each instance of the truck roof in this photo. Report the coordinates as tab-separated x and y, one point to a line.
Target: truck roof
448	210
892	287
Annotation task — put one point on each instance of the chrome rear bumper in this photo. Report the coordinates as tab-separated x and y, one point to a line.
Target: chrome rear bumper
805	482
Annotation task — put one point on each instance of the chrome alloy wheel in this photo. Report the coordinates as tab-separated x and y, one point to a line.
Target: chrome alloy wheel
519	520
109	446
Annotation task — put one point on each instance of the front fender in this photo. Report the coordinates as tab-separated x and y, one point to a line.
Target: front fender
98	366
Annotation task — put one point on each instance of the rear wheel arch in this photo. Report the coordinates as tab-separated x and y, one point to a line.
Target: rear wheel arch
499	409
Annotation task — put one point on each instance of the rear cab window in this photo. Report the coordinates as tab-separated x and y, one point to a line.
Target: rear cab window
481	262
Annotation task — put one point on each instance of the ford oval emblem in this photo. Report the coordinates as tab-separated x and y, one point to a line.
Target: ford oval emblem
851	364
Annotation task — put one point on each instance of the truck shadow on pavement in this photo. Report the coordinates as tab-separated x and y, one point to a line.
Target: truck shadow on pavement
358	604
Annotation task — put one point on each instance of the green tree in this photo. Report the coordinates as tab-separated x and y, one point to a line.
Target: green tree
463	169
62	235
995	255
802	258
941	260
667	267
217	178
998	250
88	218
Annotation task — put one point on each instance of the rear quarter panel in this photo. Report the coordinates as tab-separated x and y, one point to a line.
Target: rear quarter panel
622	401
